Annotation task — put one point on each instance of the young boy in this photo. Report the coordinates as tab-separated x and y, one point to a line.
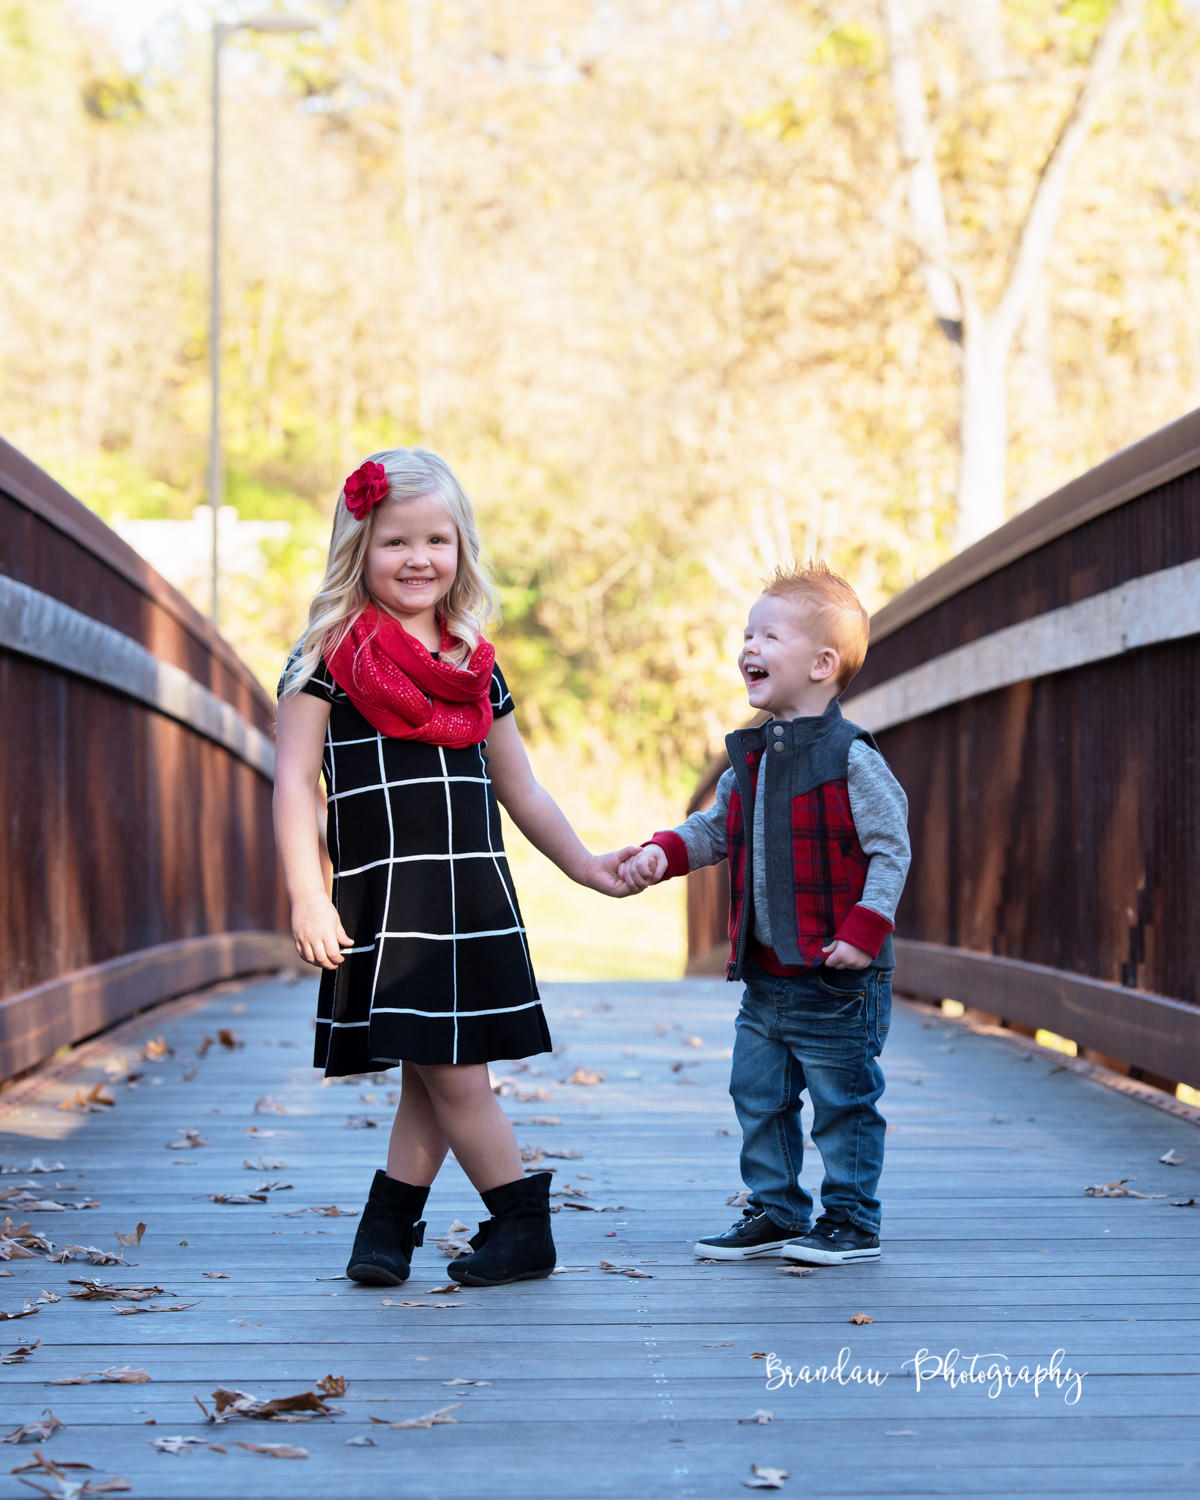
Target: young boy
813	824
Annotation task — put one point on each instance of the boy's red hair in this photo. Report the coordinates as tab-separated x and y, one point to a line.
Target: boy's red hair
834	613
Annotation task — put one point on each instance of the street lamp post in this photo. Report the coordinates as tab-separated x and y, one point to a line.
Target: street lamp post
216	479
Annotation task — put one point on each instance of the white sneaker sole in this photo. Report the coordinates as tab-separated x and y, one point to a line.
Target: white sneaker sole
718	1252
808	1257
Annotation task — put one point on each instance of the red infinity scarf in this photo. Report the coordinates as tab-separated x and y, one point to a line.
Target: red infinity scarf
399	688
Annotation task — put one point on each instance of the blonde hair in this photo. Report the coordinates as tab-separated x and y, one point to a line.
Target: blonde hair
835	613
469	607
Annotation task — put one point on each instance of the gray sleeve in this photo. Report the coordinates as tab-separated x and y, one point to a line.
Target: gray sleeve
880	812
704	832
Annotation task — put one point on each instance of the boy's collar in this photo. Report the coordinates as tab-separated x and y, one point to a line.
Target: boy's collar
831	712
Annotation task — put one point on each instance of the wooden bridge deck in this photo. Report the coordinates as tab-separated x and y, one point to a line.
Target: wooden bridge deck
595	1383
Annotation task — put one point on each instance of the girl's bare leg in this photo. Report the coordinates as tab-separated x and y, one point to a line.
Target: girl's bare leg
472	1122
418	1144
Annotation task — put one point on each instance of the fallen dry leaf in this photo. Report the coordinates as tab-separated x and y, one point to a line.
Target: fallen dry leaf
46	1296
40	1464
588	1076
268	1106
42	1429
152	1307
117	1374
739	1199
27	1201
461	1380
1117	1189
1183	1202
721	1344
455	1242
274	1450
36	1165
606	1265
91	1290
766	1478
27	1311
361	1441
20	1354
861	1318
91	1253
97	1097
430	1419
262	1165
1172	1158
759	1418
437	1291
298	1408
539	1120
134	1237
156	1049
202	1048
332	1385
229	1039
326	1210
216	1275
391	1302
797	1270
177	1444
187	1140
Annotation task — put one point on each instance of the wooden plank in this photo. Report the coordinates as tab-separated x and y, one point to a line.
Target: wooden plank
605	1385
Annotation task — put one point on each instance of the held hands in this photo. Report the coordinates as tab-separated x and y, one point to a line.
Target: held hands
645	867
603	872
318	932
841	955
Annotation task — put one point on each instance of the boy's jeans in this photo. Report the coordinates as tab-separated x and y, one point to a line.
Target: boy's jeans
821	1030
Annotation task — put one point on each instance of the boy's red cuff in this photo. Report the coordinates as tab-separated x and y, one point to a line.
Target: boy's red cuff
675	850
864	929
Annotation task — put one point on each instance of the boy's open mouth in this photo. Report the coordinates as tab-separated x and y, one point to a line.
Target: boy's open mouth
756	674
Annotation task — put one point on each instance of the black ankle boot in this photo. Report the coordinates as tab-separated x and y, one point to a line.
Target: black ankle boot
515	1243
387	1232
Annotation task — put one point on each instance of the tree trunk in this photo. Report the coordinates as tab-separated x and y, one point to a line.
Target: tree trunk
983	429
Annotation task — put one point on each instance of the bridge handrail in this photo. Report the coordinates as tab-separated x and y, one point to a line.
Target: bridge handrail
137	856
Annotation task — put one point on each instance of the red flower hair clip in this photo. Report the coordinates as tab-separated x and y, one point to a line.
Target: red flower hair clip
365	488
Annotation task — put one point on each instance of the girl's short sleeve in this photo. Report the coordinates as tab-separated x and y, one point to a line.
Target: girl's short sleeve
320	684
501	697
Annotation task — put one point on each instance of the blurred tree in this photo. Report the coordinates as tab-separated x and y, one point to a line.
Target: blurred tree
645	273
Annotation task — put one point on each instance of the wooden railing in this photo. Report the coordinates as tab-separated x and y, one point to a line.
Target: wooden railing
136	761
1039	699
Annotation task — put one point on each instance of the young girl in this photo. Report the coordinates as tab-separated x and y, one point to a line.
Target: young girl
393	693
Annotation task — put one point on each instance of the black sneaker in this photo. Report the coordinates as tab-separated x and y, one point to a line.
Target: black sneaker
755	1233
832	1242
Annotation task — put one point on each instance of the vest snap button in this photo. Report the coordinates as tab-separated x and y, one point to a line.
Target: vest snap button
778	746
779	729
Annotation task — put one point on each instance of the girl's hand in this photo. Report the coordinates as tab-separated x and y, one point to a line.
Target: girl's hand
646	867
840	955
602	872
318	932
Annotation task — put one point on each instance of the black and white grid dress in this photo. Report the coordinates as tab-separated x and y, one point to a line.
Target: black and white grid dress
439	970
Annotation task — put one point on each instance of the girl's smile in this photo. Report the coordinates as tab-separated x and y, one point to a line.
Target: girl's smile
412	560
